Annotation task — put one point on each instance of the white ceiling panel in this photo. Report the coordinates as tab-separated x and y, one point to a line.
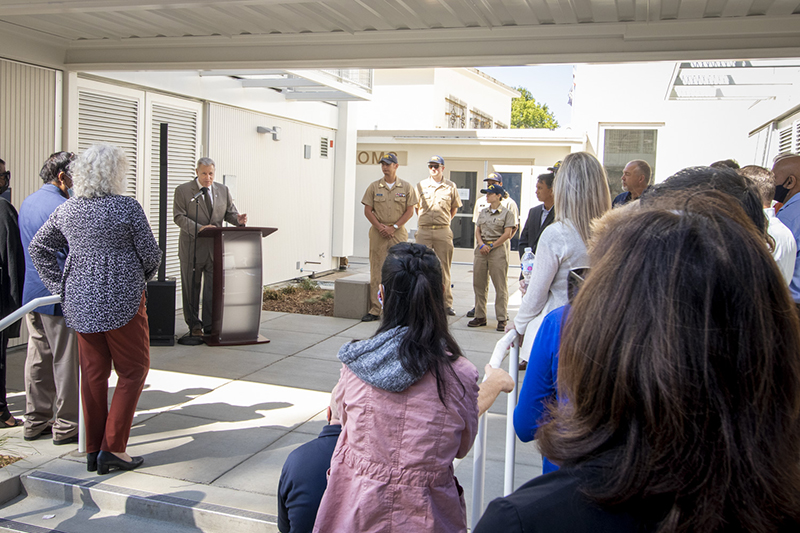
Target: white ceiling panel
169	34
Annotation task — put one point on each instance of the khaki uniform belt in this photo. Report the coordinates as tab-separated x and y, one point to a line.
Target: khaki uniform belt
434	227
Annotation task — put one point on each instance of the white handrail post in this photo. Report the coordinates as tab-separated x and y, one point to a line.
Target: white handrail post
510	339
511	436
478	469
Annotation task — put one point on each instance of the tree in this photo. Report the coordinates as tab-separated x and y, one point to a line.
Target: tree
527	113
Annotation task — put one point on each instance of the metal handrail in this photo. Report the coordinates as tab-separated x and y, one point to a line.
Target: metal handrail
509	342
27	308
21	312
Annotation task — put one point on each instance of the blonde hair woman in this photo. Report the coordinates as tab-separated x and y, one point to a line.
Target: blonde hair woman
581	195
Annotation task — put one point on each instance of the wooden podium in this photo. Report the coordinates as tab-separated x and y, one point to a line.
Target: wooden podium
238	286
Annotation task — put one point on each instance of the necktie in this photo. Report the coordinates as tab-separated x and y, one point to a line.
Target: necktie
208	202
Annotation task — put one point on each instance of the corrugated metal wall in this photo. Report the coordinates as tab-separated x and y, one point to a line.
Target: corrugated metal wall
277	187
27	129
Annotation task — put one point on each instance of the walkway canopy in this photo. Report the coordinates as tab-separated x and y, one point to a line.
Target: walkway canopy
247	34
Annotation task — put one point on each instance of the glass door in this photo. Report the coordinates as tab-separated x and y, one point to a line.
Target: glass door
467	176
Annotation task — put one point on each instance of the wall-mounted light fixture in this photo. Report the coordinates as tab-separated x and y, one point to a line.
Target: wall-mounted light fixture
276	132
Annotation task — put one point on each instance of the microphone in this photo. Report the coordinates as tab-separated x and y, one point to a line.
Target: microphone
196	196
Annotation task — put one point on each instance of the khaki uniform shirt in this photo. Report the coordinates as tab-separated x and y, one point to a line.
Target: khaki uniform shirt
506	202
436	202
390	204
492	225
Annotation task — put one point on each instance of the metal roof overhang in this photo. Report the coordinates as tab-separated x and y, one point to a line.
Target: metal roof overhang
322	34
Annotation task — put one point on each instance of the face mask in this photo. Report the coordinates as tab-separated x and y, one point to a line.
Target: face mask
70	193
780	193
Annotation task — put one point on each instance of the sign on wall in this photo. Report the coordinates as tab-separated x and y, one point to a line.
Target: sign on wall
373	157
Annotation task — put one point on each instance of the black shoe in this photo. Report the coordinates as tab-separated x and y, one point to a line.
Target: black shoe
46	431
107	460
66	440
91	462
451	311
369	317
501	325
523	365
476	322
471	313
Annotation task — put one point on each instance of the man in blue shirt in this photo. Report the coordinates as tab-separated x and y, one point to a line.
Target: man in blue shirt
304	478
787	184
51	366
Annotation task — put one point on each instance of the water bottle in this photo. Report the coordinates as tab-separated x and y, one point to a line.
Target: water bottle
526	264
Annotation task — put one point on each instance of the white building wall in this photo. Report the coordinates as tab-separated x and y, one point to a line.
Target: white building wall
690	133
414	99
401	99
227	90
476	90
277	187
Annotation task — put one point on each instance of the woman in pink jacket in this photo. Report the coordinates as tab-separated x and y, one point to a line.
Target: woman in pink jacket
409	406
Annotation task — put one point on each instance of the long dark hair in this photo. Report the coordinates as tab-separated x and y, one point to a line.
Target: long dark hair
680	366
721	178
414	297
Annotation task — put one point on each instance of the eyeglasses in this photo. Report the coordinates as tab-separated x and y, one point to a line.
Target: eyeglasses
6	175
433	165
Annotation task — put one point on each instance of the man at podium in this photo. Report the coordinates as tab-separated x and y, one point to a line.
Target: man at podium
199	204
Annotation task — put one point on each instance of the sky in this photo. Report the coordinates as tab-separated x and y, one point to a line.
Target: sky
549	84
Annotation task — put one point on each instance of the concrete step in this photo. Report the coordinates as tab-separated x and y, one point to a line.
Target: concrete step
55	503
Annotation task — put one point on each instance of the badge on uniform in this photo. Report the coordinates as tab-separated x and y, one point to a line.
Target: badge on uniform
379	194
400	194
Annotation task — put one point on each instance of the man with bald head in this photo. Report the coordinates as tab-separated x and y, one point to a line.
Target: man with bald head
635	179
787	184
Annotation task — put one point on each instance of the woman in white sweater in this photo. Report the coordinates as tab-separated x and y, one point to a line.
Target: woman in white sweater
581	195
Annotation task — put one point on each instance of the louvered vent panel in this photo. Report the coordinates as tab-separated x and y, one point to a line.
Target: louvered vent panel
114	120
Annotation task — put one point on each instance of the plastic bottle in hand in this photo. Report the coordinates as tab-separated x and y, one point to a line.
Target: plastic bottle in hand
526	264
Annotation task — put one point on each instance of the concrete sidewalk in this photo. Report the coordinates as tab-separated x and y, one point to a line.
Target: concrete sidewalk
216	424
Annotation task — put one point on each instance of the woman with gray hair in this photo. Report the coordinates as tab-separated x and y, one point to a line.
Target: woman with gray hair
112	254
581	195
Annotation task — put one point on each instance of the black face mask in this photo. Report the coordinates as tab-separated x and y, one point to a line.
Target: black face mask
780	193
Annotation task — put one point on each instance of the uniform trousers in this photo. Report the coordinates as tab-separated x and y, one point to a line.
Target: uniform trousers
494	265
441	241
128	348
51	376
378	250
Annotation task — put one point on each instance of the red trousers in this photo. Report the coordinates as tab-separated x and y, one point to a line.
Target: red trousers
128	348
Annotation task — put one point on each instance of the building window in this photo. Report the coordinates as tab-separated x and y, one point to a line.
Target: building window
621	146
480	120
455	113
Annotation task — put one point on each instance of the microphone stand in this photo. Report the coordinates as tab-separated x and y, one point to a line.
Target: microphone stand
189	339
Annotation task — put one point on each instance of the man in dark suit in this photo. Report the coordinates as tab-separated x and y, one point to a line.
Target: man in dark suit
539	217
12	277
214	205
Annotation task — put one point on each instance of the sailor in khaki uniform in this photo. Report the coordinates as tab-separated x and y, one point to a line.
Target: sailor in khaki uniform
495	226
495	178
388	205
438	203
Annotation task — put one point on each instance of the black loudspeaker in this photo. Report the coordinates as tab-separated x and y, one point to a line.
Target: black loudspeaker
161	312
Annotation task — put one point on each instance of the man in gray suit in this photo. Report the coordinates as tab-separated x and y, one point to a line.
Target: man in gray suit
215	205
